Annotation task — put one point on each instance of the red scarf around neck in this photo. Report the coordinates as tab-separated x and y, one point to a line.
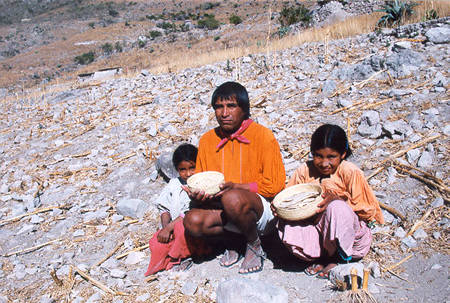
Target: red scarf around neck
236	135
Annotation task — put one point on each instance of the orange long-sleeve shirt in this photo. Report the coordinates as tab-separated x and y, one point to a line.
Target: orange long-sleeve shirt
259	161
347	181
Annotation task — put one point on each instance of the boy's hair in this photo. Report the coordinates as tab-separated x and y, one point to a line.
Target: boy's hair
332	136
184	152
230	90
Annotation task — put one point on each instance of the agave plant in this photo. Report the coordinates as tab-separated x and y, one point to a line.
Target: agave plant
395	11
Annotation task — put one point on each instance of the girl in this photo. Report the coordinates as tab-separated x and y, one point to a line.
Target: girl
173	200
339	231
169	246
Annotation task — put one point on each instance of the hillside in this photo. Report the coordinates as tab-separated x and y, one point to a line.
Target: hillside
72	151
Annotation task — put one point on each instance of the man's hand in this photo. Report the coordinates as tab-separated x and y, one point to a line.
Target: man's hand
272	208
165	234
327	196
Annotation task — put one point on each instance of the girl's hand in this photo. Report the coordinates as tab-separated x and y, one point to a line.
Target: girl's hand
199	196
165	235
327	196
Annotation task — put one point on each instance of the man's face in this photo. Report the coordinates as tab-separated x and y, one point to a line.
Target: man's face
229	115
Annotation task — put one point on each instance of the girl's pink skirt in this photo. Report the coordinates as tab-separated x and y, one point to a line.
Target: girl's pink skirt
337	225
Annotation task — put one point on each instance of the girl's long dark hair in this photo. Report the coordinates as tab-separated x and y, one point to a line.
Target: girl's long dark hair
331	136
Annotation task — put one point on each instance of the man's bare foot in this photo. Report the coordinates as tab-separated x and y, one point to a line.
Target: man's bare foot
254	258
229	258
325	273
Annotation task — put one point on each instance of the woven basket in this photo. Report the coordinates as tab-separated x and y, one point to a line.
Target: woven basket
207	181
294	203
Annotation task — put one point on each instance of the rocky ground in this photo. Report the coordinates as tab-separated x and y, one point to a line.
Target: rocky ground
78	170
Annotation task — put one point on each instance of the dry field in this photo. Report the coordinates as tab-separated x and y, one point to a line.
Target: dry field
257	33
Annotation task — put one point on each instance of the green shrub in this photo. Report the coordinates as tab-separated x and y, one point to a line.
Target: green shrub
323	2
85	58
208	22
234	19
155	34
395	12
141	43
216	38
92	24
113	13
208	5
118	47
431	14
283	31
107	48
167	26
292	15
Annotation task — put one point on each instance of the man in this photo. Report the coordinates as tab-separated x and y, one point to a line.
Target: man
249	157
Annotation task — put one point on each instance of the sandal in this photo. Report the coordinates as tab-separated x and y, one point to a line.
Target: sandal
228	260
313	269
325	272
257	253
184	265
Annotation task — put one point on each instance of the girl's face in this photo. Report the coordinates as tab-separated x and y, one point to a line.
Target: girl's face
327	160
186	169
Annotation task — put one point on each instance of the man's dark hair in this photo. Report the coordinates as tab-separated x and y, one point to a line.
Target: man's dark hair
230	90
331	136
184	152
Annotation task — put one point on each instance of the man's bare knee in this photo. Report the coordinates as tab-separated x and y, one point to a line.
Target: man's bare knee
193	223
233	202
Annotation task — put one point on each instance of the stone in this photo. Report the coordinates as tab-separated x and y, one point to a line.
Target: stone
46	299
165	166
117	273
152	130
241	290
409	241
116	218
436	235
341	273
436	266
96	297
26	229
143	298
402	45
189	288
79	233
438	202
425	160
134	257
391	175
398	127
329	87
412	155
420	234
36	219
134	208
344	103
446	130
438	35
375	269
400	232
